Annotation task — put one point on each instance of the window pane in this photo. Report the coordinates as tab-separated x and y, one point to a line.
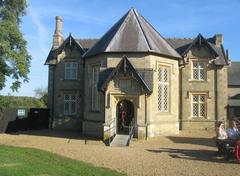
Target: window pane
73	97
201	65
66	108
160	74
165	75
163	89
73	108
202	98
195	65
202	74
195	74
71	70
160	97
202	110
67	64
74	65
67	73
195	98
195	110
165	97
66	97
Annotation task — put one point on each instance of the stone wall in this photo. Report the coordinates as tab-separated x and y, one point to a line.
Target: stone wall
58	85
215	87
148	120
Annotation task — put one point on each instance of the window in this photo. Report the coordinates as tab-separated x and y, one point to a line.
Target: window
71	70
163	89
198	71
95	94
70	102
199	106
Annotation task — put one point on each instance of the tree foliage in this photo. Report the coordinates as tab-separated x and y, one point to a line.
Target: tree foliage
24	102
14	58
42	95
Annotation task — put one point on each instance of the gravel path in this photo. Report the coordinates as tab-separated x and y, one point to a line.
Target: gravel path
181	155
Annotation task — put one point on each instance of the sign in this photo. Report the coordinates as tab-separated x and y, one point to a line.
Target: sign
21	113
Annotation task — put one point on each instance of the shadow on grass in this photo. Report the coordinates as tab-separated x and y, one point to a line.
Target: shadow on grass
190	154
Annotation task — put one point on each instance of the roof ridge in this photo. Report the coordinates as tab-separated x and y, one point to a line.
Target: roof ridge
87	39
125	18
178	38
159	35
140	25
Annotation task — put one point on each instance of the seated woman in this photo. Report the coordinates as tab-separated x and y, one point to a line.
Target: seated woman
221	137
233	132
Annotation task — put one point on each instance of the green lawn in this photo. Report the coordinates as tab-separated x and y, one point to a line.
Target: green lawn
15	161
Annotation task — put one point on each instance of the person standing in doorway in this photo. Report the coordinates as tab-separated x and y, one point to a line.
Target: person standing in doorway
122	117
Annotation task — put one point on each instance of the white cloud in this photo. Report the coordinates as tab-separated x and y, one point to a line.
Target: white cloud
41	30
80	16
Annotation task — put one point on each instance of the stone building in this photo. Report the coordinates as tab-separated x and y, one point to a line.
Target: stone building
234	90
132	76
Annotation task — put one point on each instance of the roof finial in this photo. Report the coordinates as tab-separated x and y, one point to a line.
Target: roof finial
70	39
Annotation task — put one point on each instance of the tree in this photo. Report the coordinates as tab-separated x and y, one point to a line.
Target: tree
14	58
42	95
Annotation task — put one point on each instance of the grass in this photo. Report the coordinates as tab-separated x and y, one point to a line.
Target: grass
16	161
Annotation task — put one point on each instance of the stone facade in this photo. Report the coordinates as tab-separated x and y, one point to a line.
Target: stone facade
157	82
214	87
234	90
58	86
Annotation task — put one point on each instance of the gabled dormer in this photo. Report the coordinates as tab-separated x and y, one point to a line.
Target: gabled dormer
66	48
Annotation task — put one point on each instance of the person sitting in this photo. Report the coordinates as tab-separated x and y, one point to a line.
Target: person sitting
232	131
221	137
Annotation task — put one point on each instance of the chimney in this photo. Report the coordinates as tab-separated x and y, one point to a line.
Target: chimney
57	37
228	56
218	39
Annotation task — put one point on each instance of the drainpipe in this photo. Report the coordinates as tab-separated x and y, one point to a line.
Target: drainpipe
52	105
216	93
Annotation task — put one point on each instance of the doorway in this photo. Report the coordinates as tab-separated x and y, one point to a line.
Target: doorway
125	115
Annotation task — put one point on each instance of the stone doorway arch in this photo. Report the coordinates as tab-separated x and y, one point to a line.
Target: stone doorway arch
125	115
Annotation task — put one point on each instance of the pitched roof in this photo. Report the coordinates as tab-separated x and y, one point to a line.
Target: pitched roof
132	33
234	74
87	43
182	45
200	41
124	66
70	41
179	44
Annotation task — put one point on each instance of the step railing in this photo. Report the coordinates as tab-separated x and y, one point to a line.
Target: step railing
109	130
131	131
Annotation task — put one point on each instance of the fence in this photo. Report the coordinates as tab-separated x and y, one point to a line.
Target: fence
21	119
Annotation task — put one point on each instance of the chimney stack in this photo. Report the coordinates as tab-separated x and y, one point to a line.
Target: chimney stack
218	39
57	37
228	56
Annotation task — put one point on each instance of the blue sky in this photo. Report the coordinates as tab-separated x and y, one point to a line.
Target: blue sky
92	18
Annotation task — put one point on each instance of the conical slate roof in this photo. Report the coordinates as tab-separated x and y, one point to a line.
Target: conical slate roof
132	33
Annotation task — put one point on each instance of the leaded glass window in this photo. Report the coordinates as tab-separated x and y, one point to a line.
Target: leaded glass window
198	71
199	105
70	104
163	89
95	93
71	70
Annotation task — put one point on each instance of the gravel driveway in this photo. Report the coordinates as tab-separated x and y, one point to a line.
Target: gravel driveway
182	155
